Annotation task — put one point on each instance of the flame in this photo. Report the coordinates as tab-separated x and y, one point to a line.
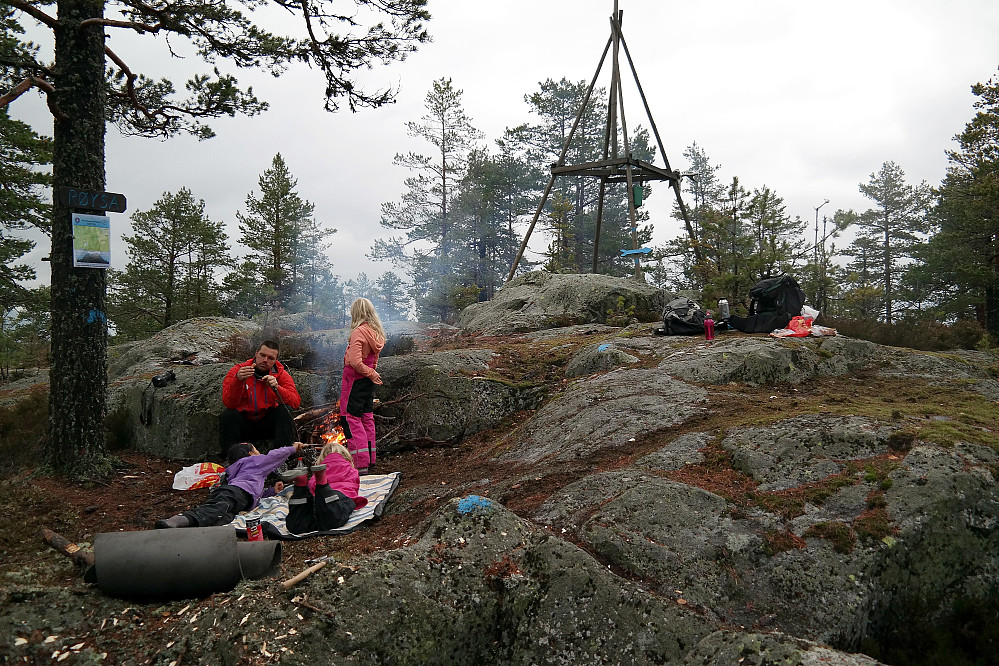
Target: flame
329	429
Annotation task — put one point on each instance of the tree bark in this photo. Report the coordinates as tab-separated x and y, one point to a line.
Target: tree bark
77	399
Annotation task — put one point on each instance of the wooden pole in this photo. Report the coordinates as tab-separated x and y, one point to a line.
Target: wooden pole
561	160
616	28
675	184
600	217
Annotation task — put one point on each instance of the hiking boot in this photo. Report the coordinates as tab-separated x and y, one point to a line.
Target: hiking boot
317	468
180	520
289	475
362	471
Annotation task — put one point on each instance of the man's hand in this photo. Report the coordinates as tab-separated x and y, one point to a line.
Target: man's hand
271	381
244	372
299	446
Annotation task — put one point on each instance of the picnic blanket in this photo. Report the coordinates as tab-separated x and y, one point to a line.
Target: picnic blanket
273	511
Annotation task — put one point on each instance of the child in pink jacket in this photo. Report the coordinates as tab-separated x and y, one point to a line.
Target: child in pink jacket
325	501
357	388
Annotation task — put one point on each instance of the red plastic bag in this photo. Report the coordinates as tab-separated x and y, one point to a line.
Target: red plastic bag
798	327
202	475
801	326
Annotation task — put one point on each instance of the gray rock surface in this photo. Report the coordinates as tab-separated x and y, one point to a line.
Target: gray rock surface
598	358
725	648
766	360
445	397
482	586
804	449
546	300
193	341
609	410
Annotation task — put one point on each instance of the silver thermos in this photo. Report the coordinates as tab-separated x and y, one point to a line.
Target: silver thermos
723	309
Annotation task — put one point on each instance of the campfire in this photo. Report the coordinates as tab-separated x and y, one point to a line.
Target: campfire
321	425
328	429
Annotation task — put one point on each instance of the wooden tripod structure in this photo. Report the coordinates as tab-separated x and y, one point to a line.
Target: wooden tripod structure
614	167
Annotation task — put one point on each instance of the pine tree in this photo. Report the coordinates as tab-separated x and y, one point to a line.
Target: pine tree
315	269
896	223
424	215
22	154
484	210
170	275
272	228
959	262
391	302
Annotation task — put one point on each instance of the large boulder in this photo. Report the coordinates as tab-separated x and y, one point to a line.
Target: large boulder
199	341
444	396
483	586
766	360
549	300
180	419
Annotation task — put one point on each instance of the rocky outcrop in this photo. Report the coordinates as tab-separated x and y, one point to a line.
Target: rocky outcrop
444	396
541	300
660	500
483	586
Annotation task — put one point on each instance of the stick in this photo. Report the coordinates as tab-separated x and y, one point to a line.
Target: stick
67	548
305	574
303	602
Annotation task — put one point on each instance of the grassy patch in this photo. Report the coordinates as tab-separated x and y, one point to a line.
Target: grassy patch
874	523
779	541
839	534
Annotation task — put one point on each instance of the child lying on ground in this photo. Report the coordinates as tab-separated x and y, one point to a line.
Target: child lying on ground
244	485
325	501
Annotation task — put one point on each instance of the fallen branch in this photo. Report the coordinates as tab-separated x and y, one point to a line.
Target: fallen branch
420	443
305	574
302	602
405	398
315	412
66	547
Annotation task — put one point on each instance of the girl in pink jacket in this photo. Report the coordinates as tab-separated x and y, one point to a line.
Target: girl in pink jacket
325	501
357	388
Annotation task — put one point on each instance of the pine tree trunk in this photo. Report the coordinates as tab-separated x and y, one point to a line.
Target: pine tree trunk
78	388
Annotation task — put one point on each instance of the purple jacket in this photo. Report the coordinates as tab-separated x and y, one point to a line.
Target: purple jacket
249	473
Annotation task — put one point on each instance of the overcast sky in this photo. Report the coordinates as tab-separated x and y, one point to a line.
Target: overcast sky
807	98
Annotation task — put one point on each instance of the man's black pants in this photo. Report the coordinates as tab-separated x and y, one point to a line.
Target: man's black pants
276	424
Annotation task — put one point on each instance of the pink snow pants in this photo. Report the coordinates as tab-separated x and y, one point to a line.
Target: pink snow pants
357	394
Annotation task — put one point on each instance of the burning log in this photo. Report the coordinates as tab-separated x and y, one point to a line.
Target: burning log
317	412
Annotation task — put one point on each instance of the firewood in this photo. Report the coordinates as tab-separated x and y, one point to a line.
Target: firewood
67	548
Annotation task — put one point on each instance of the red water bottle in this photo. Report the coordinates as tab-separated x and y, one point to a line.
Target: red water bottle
709	327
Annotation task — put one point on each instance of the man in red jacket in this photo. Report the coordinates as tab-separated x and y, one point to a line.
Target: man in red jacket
258	395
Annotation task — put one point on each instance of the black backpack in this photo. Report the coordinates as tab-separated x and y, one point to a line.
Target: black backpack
772	303
683	316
